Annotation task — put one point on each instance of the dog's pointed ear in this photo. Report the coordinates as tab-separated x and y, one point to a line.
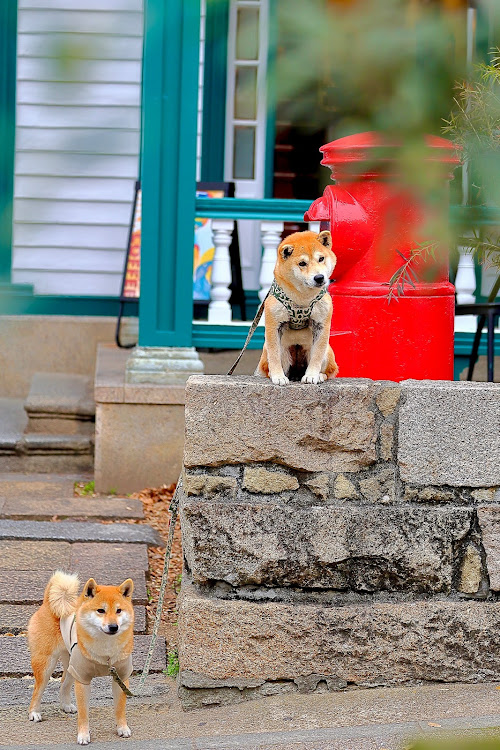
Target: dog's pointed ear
286	251
326	239
126	588
90	589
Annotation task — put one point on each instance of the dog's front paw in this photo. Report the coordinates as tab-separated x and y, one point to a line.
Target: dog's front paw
35	716
124	731
314	378
83	738
69	708
280	380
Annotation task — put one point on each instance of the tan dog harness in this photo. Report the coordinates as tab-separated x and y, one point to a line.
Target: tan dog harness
299	316
82	668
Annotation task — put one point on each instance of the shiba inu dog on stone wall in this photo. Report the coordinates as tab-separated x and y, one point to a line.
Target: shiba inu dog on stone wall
298	312
89	634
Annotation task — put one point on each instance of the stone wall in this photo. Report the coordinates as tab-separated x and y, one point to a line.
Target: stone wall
340	535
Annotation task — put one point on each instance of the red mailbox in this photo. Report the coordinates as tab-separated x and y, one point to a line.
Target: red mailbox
372	216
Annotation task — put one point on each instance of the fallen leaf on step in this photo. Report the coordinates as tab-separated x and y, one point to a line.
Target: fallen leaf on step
432	724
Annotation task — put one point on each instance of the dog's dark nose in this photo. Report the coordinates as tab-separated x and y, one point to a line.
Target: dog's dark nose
319	279
113	628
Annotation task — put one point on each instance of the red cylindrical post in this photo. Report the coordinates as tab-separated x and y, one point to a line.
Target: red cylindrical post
375	220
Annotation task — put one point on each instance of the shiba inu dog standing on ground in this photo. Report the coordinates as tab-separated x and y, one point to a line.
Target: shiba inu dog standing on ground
89	634
298	312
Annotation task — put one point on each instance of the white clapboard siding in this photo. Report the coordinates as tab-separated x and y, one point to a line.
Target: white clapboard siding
74	188
79	46
82	4
79	165
83	94
63	116
88	71
71	212
77	142
98	283
85	140
108	261
71	235
81	21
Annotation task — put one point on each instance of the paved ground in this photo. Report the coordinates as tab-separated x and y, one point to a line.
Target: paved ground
354	720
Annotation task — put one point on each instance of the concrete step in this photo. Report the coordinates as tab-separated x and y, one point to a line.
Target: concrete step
14	618
39	486
60	404
16	692
26	587
38	452
70	507
76	531
84	557
15	659
51	497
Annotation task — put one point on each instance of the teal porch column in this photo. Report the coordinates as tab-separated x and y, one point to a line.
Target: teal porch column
8	39
170	93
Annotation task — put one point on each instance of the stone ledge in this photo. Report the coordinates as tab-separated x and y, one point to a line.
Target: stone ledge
110	385
241	419
365	645
449	433
370	548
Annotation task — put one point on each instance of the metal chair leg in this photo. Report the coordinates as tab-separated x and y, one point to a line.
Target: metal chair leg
481	319
491	348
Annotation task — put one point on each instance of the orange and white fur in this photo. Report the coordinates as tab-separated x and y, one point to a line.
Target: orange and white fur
104	630
304	265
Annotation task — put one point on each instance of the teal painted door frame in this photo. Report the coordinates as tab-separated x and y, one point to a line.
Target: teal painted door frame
214	91
8	46
170	91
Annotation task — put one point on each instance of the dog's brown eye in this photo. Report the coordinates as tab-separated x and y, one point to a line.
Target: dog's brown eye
118	611
302	263
101	611
320	260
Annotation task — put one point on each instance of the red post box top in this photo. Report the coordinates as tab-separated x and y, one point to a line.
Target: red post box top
371	147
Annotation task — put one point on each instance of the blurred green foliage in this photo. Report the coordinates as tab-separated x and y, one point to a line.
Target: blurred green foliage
473	743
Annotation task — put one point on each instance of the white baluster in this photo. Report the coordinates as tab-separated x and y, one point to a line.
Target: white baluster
219	309
271	232
314	226
465	284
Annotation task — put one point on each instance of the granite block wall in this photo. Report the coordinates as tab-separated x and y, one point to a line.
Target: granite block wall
339	535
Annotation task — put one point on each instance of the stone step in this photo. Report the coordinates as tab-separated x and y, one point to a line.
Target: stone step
38	486
14	618
26	587
59	403
38	452
82	507
16	692
15	659
84	557
76	531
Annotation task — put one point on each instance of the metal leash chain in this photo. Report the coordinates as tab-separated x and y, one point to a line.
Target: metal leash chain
116	677
251	331
174	509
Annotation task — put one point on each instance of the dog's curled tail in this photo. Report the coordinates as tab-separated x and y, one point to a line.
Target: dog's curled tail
61	593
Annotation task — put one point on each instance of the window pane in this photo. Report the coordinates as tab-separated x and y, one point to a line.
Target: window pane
244	152
247	34
245	94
